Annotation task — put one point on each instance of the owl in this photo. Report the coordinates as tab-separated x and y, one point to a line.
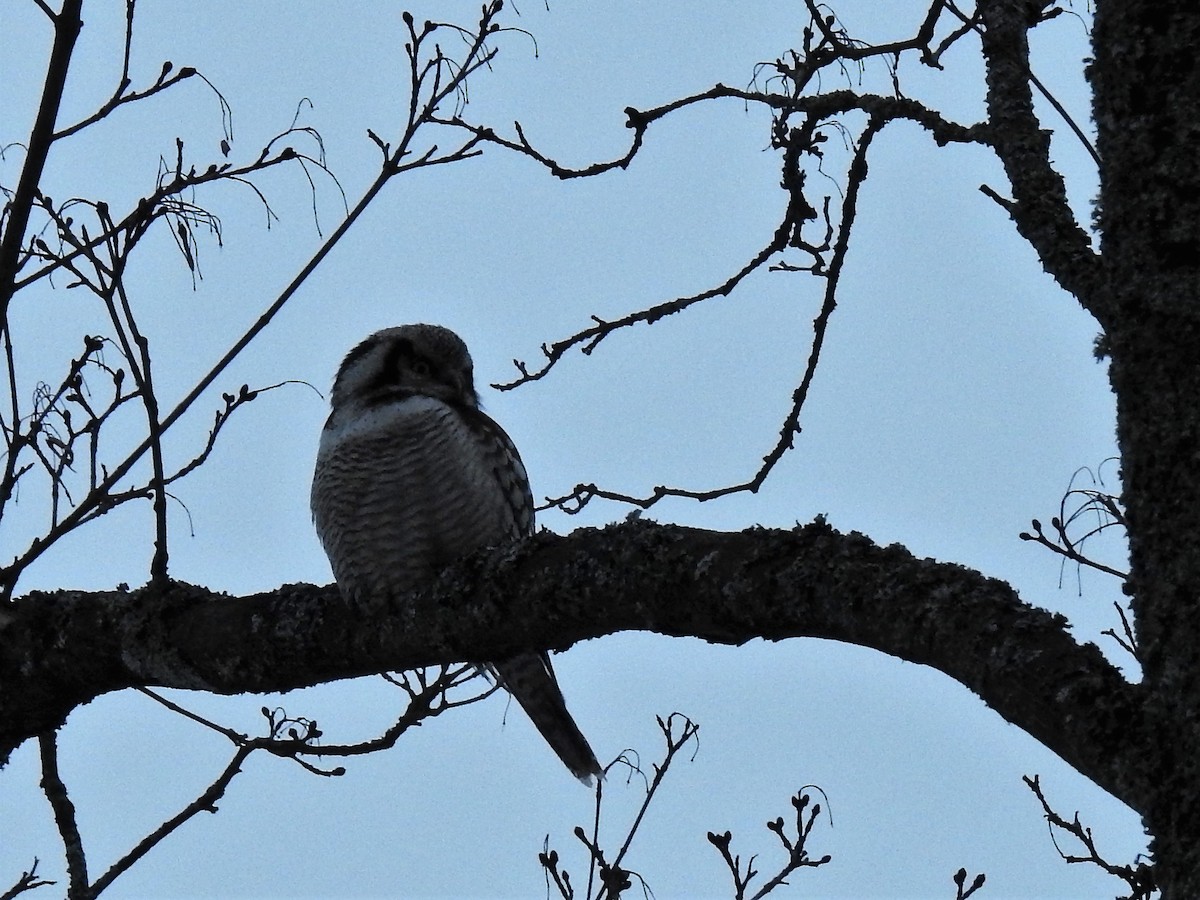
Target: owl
412	475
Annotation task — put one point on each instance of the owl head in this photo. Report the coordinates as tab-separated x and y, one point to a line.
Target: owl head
406	361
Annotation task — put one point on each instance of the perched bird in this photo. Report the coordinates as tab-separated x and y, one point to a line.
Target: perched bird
411	475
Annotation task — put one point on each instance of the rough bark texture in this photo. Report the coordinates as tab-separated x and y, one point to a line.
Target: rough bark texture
1040	209
64	649
1147	109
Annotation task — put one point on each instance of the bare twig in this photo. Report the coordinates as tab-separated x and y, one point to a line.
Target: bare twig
67	25
1127	641
588	339
428	698
678	731
857	173
27	882
1138	878
297	738
960	881
234	736
1103	508
796	848
221	417
1065	547
609	878
205	802
64	818
167	78
435	77
819	107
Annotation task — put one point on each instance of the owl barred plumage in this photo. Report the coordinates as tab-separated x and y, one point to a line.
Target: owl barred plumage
411	475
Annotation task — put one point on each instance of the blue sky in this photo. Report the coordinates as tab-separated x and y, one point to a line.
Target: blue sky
956	396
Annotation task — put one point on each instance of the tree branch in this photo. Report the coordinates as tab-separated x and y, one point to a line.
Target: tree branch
67	25
818	106
60	650
64	816
1039	207
786	234
448	78
27	882
205	802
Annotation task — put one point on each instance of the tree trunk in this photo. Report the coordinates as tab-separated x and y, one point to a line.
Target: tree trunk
1147	109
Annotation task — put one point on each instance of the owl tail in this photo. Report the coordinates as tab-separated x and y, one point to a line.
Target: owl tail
530	679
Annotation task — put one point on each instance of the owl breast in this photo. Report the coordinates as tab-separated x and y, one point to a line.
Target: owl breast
402	489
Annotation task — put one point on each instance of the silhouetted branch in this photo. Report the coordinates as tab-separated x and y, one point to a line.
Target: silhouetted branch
1040	209
233	402
59	651
784	236
98	261
1064	546
168	77
1106	510
27	882
590	338
294	738
205	802
1138	878
960	880
64	817
825	44
972	23
1128	641
796	847
427	698
819	107
608	877
678	731
234	736
67	24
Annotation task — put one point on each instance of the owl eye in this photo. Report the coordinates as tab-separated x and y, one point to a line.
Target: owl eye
421	368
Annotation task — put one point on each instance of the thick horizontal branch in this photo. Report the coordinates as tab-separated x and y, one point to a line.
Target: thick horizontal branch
60	650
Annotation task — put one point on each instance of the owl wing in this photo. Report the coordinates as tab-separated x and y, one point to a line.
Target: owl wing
529	677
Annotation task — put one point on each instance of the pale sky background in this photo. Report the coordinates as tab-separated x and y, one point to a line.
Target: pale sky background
956	396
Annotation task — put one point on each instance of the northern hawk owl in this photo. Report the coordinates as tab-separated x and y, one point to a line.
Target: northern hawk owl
411	475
